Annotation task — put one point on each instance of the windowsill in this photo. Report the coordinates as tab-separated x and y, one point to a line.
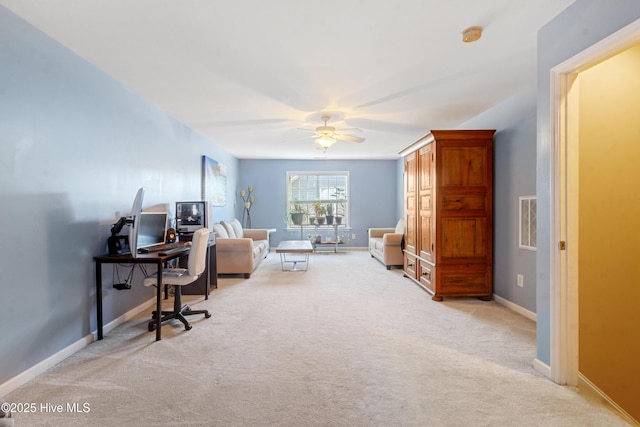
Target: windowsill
344	227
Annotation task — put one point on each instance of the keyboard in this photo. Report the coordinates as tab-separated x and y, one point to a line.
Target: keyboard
160	248
175	250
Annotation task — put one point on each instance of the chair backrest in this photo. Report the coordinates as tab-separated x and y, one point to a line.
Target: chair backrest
198	254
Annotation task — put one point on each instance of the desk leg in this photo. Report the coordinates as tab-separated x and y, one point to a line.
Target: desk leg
159	303
207	274
99	298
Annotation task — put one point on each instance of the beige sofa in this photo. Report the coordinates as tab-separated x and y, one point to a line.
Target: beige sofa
385	244
238	250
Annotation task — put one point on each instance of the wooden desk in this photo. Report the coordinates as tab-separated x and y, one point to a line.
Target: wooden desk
148	258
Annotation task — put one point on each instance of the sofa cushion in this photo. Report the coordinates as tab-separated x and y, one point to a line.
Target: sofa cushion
237	228
227	226
257	249
221	232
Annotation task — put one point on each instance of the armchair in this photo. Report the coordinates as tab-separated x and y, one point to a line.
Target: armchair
386	245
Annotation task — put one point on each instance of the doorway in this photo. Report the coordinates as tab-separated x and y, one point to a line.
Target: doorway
592	165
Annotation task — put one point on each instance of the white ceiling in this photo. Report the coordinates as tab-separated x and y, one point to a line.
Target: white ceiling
249	74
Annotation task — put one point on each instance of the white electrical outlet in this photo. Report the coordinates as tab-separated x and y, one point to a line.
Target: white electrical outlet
353	236
520	280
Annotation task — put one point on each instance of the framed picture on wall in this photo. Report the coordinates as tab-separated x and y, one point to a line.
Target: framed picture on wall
214	182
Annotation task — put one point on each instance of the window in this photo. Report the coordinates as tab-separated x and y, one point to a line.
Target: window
307	191
528	222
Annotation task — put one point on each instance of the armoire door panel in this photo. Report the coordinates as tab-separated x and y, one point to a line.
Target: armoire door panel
410	237
463	166
410	170
425	201
425	166
427	244
463	238
464	202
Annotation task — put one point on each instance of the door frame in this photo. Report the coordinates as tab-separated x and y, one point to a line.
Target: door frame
564	345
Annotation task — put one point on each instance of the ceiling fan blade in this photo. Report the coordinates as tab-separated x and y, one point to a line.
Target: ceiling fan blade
349	129
351	138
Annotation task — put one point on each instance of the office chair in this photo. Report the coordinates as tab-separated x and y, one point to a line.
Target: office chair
179	277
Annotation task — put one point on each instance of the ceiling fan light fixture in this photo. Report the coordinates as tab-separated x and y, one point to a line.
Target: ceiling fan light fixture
325	141
471	34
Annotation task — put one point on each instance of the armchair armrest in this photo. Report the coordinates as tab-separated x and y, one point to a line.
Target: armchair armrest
256	233
380	232
392	239
234	245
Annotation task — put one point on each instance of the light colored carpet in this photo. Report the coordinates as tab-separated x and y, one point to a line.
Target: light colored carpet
346	343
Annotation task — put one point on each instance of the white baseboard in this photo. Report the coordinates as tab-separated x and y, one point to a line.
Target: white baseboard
58	357
542	367
593	390
515	307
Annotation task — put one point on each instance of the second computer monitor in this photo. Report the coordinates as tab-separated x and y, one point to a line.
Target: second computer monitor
191	216
152	229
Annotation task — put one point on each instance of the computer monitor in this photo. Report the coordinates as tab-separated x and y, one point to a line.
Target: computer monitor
191	216
152	229
134	221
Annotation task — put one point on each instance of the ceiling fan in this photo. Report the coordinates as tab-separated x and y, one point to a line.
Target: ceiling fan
325	135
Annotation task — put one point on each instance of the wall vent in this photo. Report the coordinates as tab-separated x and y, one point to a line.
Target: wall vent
528	222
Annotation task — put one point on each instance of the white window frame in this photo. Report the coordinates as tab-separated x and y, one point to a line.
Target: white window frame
527	222
345	202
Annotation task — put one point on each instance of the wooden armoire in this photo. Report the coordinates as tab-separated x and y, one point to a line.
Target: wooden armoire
448	203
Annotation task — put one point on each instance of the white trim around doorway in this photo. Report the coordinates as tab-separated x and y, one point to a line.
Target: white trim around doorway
564	195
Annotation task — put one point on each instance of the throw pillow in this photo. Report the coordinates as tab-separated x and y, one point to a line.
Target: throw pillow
237	228
400	227
221	232
229	228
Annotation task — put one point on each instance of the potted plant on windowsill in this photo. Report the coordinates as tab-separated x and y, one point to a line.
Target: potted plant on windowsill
320	212
297	213
329	213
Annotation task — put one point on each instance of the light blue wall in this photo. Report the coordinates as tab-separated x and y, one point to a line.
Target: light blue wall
400	188
580	26
514	176
75	145
373	192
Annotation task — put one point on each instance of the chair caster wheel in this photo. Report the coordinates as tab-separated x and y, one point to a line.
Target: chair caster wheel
187	327
152	327
207	315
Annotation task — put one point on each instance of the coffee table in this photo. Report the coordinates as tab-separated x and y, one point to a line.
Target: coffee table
298	251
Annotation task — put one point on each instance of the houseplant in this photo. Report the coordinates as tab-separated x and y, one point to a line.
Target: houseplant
297	213
329	213
339	195
320	212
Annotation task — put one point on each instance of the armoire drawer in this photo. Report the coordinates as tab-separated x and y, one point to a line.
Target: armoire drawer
427	275
410	265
